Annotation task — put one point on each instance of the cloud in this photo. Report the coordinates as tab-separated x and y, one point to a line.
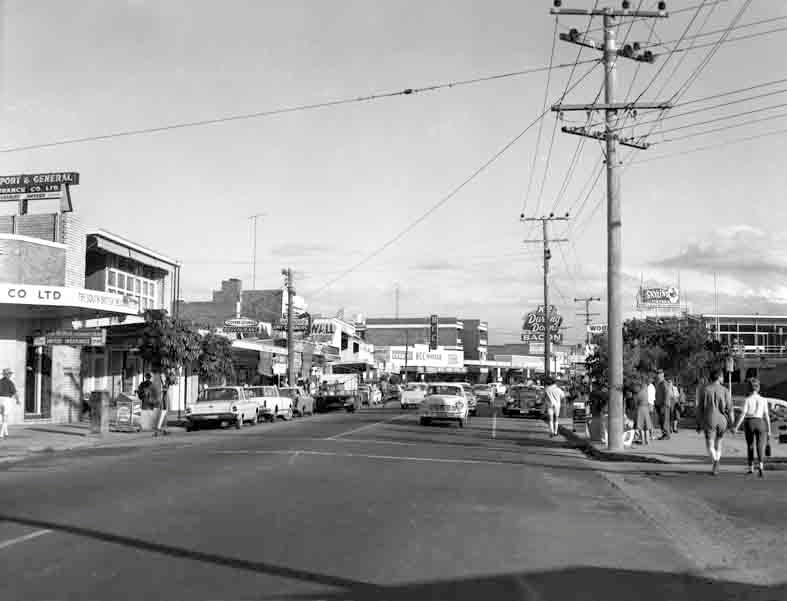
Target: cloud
743	253
437	265
302	249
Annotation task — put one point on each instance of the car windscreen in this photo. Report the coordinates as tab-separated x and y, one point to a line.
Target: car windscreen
218	394
447	390
414	387
288	392
269	391
481	388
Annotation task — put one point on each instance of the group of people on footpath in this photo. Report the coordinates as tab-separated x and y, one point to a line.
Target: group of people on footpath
659	401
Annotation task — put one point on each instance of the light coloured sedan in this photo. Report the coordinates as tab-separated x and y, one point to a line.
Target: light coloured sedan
444	402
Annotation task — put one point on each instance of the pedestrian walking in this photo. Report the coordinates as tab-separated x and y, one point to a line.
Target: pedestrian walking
643	423
7	394
652	398
678	408
144	391
158	398
714	408
756	424
663	403
554	397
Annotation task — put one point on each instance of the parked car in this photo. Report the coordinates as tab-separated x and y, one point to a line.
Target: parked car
413	394
444	402
223	405
272	404
525	400
485	393
302	401
472	400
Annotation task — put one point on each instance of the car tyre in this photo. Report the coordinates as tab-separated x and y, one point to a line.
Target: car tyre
239	422
255	420
425	421
190	427
288	415
461	423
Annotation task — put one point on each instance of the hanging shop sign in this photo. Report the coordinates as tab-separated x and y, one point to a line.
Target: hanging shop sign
434	332
241	325
82	337
597	328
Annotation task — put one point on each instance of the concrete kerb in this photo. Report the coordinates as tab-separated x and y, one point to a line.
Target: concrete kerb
594	452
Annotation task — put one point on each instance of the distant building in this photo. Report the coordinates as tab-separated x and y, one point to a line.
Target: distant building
266	306
409	331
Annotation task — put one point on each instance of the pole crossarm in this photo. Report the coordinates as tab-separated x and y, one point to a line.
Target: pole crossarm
629	51
611	106
597	135
610	12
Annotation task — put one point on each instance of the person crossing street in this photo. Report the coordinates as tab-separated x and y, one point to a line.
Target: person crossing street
554	397
714	409
756	425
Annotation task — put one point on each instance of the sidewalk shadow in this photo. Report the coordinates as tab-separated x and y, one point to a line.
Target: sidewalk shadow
576	583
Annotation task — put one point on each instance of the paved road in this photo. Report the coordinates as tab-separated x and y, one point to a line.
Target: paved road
366	506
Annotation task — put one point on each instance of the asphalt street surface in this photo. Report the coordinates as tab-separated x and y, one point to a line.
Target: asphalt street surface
373	506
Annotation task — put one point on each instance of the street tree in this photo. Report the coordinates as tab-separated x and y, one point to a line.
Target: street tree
168	345
215	359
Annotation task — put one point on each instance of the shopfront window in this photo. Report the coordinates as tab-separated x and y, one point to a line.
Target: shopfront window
142	289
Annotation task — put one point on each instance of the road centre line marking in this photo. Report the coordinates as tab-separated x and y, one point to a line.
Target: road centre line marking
365	456
494	425
385	421
20	539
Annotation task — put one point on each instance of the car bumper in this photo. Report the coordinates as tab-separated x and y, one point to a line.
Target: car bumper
212	417
443	414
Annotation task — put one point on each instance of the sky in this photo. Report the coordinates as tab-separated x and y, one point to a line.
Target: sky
337	183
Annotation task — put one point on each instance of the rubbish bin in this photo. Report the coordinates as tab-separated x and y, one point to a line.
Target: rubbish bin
99	411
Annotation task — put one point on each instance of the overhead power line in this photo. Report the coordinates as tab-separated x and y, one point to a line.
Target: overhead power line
410	226
672	12
648	45
284	110
722	129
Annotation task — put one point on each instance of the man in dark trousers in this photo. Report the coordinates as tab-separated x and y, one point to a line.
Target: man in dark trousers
663	404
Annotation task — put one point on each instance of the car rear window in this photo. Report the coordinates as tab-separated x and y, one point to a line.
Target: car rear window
414	387
448	390
218	394
269	391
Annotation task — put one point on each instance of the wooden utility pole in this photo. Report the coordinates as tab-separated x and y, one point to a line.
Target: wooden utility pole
287	273
587	314
609	135
547	257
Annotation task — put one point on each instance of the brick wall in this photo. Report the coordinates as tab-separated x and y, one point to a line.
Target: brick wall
74	235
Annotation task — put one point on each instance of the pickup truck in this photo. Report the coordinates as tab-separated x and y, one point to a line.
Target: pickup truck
272	403
222	405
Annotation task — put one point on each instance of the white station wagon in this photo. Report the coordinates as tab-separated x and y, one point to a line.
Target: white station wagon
444	402
272	404
222	405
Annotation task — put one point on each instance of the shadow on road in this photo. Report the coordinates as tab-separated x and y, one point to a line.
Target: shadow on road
576	583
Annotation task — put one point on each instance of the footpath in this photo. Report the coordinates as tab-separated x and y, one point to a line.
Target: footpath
684	448
25	441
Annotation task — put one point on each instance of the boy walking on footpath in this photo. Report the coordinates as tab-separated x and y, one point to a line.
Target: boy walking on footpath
7	392
714	409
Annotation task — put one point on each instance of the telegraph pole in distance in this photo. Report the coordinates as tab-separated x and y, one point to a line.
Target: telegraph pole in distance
587	314
254	249
547	257
609	135
287	273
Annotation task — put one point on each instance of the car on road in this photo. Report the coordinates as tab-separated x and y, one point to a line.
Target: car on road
272	404
472	399
444	402
302	401
413	394
485	393
526	401
222	405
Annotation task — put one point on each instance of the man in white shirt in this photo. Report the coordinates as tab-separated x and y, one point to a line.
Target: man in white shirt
652	400
554	395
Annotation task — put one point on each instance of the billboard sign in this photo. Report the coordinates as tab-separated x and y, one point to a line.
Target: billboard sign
434	328
37	182
668	297
534	326
241	325
597	328
301	324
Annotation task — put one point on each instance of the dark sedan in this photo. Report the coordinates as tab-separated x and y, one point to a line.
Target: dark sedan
525	401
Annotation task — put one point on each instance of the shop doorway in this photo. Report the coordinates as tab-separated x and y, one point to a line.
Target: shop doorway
38	382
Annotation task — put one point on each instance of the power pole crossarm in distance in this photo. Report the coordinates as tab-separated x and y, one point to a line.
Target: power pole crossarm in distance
587	314
547	257
614	248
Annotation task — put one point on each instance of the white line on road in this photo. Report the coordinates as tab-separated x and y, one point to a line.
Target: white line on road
385	421
494	424
20	539
365	456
